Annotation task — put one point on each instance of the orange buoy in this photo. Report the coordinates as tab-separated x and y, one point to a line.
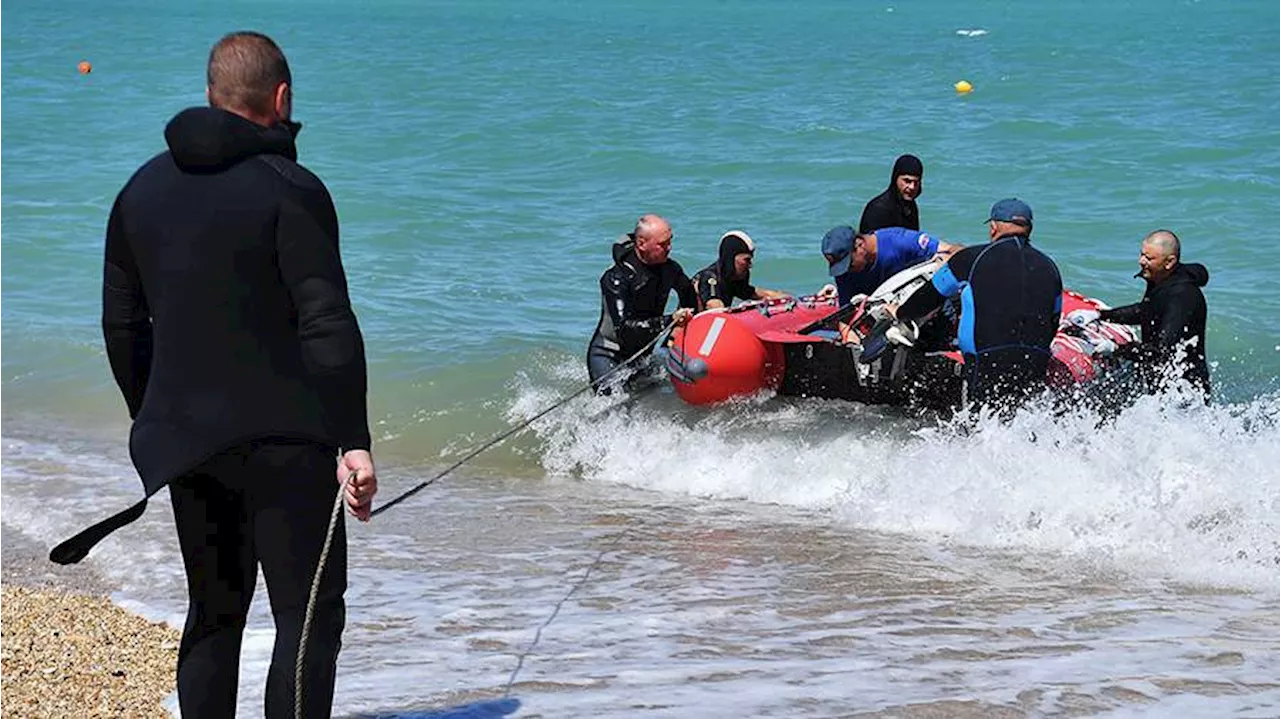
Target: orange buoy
85	67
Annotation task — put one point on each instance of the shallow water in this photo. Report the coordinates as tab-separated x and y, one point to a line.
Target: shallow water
759	575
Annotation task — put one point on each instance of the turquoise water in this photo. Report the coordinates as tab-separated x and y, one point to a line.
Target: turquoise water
483	156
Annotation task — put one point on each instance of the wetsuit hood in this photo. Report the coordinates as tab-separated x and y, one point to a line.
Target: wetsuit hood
207	139
623	246
1193	272
905	165
733	244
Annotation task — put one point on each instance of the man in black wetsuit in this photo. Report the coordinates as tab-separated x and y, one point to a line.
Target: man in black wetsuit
231	336
728	277
1010	302
633	297
1171	315
896	206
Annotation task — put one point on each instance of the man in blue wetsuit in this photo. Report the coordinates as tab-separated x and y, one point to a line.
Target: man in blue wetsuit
1010	299
861	262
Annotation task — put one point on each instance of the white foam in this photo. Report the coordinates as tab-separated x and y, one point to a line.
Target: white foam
971	33
722	607
1186	493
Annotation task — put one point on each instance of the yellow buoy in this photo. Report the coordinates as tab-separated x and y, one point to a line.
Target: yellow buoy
964	87
85	67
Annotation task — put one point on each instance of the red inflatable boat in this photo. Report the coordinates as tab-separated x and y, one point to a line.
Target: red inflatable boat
798	347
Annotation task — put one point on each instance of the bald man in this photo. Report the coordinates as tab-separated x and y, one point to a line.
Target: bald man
231	336
1171	315
634	294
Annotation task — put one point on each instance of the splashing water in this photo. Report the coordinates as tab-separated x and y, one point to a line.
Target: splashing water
1168	485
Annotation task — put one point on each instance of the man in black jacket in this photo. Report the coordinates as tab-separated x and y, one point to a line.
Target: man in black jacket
896	206
633	297
231	336
1171	315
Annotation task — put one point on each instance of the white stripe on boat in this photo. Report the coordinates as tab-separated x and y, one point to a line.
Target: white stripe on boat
710	341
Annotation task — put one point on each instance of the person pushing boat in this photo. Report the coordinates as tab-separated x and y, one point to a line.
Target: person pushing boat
729	276
633	297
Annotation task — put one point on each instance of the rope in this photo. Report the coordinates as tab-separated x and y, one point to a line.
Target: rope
337	513
577	585
311	600
498	439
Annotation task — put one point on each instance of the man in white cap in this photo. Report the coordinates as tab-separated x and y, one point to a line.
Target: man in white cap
730	276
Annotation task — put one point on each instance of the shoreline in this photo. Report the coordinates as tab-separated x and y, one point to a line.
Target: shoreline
68	649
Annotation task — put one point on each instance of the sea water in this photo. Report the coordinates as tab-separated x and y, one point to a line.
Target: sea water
772	557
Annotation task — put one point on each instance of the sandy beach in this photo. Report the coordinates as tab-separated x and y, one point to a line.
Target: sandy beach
67	650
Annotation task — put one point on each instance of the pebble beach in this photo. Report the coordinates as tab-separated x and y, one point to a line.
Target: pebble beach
67	650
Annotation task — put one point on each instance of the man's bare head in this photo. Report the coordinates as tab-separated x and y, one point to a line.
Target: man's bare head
1165	241
249	75
653	239
1161	252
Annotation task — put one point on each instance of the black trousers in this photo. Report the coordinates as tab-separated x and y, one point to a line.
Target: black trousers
268	503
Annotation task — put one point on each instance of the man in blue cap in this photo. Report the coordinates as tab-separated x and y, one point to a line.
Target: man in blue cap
861	262
1010	302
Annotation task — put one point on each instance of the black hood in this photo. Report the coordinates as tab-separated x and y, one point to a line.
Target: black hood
623	246
905	165
1194	272
1186	273
733	244
207	139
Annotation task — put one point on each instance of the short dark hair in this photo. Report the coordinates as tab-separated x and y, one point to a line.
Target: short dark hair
245	68
1166	241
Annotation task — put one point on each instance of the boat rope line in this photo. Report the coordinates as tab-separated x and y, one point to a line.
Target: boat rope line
537	636
520	427
337	513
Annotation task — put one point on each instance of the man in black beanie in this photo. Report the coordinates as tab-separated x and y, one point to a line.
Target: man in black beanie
730	276
896	206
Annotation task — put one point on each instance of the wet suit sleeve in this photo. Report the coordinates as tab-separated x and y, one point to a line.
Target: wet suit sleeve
1174	317
1134	314
332	345
704	291
948	281
620	303
684	290
126	318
